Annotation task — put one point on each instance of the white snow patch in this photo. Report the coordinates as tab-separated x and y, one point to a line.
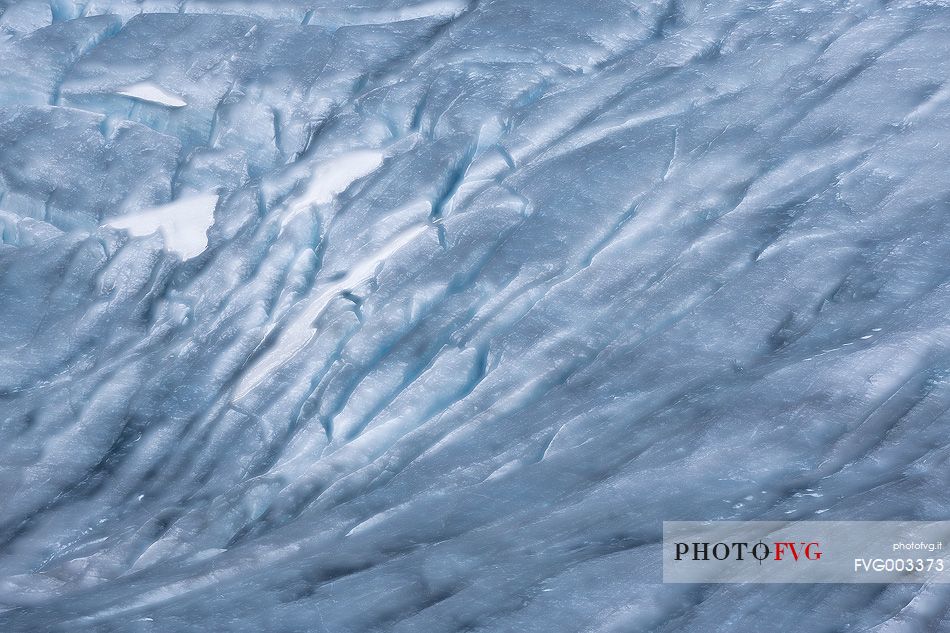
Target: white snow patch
183	223
355	17
331	178
147	91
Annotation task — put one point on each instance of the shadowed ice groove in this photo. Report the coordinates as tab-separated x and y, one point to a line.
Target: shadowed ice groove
423	316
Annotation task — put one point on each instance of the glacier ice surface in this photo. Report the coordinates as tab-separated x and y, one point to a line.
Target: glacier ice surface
423	315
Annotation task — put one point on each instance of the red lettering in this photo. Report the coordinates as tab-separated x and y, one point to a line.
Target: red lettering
780	548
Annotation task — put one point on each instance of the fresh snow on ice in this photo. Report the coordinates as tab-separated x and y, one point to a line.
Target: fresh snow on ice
147	91
183	223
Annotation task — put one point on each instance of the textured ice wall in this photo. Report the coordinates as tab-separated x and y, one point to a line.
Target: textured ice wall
488	290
